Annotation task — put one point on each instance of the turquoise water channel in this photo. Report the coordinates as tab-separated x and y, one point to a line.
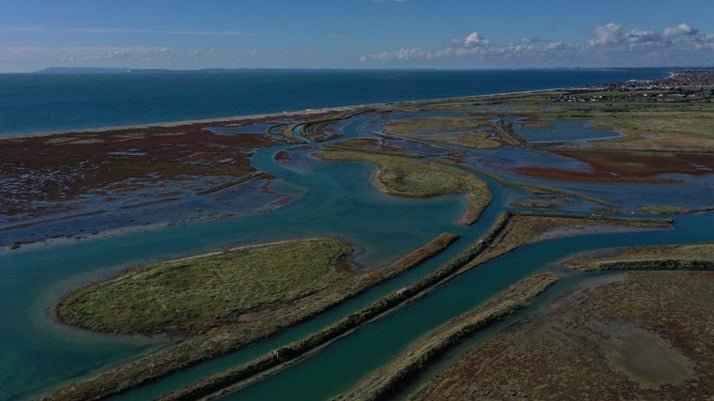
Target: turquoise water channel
339	200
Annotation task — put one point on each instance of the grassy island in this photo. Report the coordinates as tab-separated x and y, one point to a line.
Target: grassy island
405	176
196	294
452	131
221	301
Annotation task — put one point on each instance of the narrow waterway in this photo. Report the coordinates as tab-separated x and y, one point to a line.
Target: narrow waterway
341	365
337	200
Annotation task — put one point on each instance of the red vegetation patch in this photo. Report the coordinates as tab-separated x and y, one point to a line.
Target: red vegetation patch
645	163
380	144
564	353
64	167
609	165
283	155
589	176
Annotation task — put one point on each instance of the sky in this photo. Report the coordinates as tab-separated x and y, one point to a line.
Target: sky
446	34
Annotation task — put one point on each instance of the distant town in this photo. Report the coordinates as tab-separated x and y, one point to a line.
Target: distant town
686	85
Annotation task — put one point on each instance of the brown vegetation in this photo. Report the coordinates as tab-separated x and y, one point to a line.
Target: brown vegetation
659	257
524	228
644	337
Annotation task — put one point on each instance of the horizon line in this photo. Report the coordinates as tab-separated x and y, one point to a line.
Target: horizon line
90	69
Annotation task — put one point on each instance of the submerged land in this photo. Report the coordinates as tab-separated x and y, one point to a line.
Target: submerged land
611	160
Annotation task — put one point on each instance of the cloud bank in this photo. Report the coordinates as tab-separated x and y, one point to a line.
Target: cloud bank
608	42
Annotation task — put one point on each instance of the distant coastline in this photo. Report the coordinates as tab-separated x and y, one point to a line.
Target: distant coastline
129	70
293	113
71	101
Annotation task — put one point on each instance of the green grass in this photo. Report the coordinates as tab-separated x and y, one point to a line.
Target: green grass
632	117
195	294
696	123
686	252
440	124
405	176
663	209
525	228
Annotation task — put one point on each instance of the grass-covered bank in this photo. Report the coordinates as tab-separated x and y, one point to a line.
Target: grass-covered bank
525	228
406	176
661	257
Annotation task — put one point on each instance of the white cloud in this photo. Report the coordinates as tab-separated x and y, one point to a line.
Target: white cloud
398	55
704	42
607	35
681	29
555	46
83	54
640	36
474	44
475	39
610	42
612	35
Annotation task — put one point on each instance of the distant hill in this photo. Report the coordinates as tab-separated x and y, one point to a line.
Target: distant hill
92	70
103	70
111	70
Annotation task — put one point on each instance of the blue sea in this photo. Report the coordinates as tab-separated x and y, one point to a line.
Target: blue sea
38	102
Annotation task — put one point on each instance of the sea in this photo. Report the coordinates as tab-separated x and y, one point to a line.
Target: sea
52	102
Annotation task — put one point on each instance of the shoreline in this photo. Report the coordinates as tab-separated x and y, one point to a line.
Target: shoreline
287	113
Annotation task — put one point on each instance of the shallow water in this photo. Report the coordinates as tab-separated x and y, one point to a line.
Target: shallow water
339	201
565	131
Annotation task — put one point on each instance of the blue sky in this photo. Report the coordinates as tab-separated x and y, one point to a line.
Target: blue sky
183	34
